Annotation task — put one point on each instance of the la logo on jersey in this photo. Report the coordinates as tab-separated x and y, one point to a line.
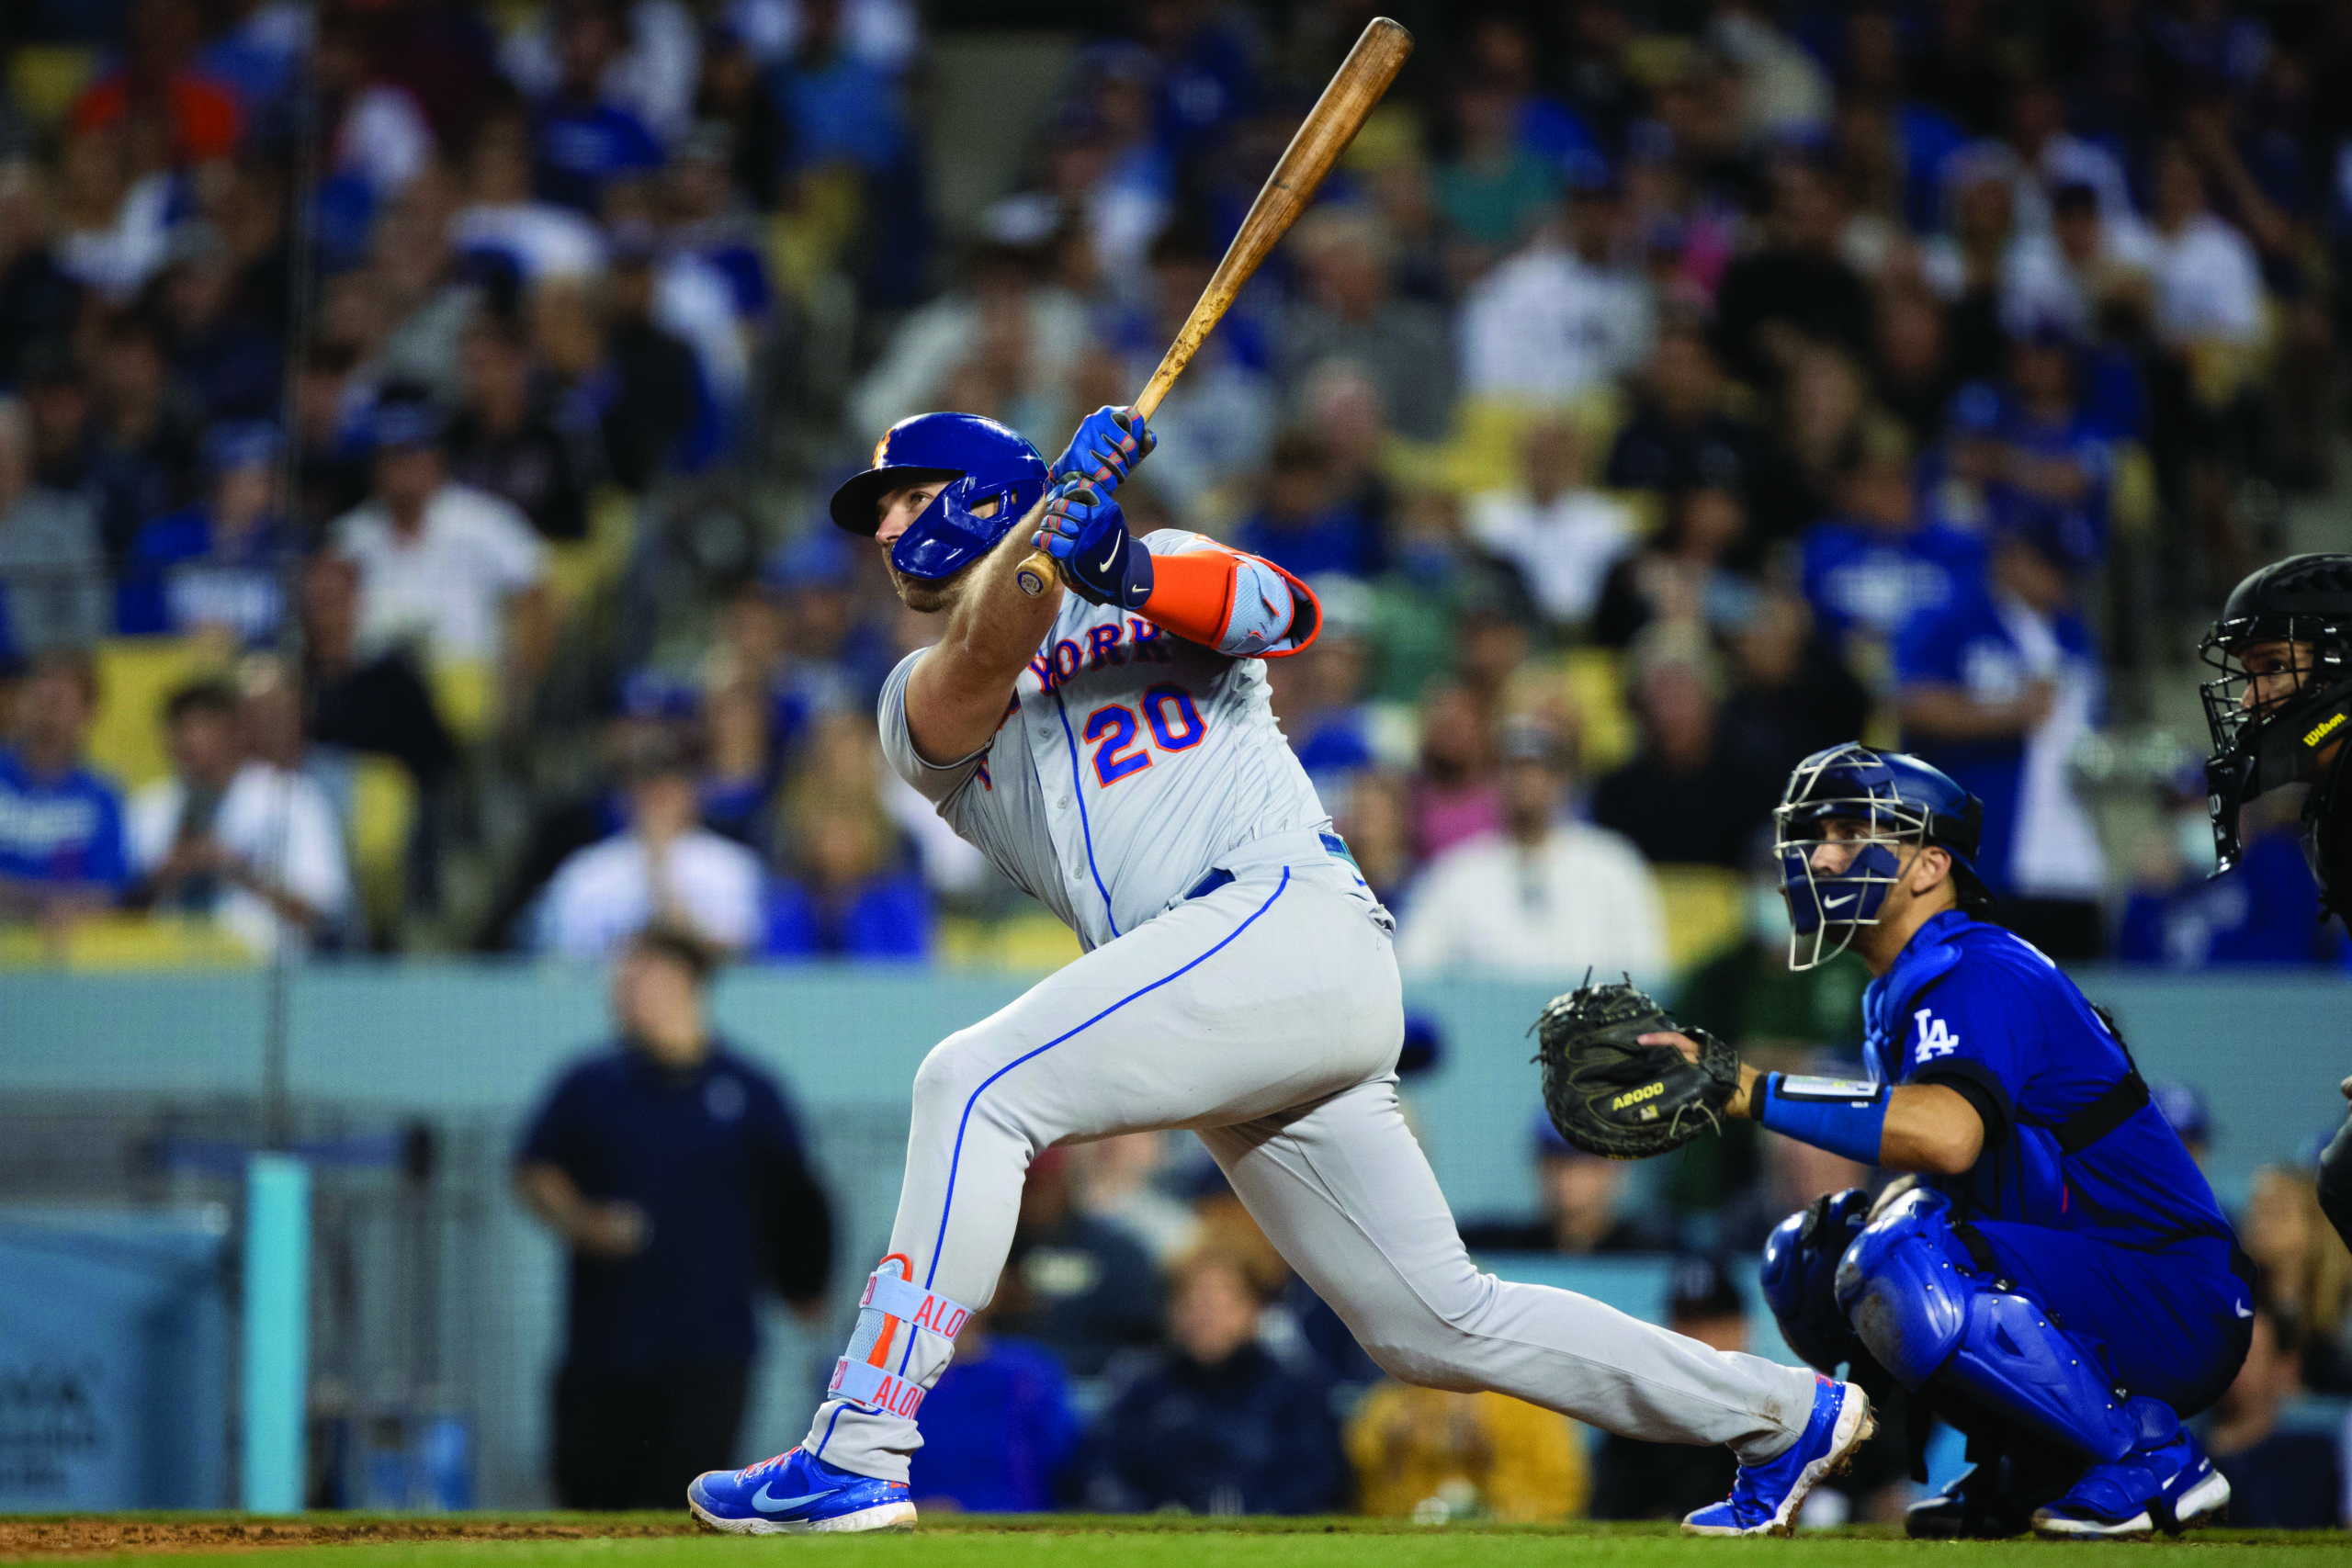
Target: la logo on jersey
1935	1038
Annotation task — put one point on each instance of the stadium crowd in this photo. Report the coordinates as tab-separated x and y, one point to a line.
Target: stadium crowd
1656	393
415	415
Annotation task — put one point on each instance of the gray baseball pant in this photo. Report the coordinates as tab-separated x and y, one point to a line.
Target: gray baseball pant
1266	1015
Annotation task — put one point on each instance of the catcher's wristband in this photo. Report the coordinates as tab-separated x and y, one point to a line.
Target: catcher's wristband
1846	1116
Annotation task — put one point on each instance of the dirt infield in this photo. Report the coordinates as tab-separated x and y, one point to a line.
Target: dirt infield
111	1535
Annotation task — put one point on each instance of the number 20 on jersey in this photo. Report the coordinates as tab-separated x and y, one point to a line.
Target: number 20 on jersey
1113	731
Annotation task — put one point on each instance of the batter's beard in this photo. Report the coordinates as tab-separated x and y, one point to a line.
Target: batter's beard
926	597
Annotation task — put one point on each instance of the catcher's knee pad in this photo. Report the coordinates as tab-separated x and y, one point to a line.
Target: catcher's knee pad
1799	1277
1923	1311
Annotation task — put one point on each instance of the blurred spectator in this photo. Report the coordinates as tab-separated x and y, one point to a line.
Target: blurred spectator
2280	1478
1213	1424
1495	188
673	1170
834	656
1079	1285
1795	287
230	837
1638	1480
156	94
377	703
62	850
739	760
836	87
139	458
1454	793
582	142
646	382
1558	321
1218	422
1301	524
1581	1197
113	220
1545	899
1022	336
2306	1274
2058	463
53	563
507	440
218	568
2208	282
2261	911
2080	272
35	293
1432	1455
2183	1105
1879	566
1681	437
1679	577
457	572
849	900
226	362
1002	1427
500	219
1790	695
1686	797
378	137
1559	532
1119	1179
1998	688
1347	310
664	868
1445	607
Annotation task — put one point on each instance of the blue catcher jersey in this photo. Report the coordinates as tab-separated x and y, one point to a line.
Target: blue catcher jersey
1974	1008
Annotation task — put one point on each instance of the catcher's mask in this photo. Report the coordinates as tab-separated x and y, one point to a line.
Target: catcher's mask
1890	799
2281	651
979	461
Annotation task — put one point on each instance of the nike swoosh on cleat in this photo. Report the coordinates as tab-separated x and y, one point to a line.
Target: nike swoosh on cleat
767	1505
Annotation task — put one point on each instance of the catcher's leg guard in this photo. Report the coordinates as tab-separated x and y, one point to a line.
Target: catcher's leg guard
1916	1304
1799	1277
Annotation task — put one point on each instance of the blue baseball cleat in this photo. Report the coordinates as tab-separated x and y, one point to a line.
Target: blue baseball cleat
795	1495
2167	1484
1765	1497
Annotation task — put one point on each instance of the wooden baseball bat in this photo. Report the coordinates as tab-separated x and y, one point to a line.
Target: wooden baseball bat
1362	78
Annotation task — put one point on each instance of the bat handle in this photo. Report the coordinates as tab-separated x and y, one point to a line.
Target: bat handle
1039	572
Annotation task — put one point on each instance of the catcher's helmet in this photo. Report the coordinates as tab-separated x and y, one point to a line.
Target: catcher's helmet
2270	724
1898	800
984	461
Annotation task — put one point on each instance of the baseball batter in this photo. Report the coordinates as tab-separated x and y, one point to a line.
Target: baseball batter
1111	749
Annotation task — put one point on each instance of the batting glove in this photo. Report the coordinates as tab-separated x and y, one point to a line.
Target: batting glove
1109	444
1085	532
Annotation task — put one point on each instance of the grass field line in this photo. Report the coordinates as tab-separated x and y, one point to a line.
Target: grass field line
1054	1541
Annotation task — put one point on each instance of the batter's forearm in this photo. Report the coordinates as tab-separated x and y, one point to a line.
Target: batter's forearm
956	694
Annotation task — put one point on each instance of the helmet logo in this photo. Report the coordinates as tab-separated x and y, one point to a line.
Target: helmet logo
2321	731
881	452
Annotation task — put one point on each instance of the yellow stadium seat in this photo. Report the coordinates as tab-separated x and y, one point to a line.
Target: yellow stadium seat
45	79
1032	942
124	941
466	693
2133	497
1596	682
136	676
578	572
1704	912
383	813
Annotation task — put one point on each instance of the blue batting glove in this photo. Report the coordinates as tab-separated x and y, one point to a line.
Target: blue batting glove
1087	535
1109	444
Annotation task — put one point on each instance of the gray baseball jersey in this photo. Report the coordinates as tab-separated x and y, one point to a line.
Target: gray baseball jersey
1240	981
1130	763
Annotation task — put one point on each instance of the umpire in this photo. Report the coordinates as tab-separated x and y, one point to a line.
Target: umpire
673	1170
2280	708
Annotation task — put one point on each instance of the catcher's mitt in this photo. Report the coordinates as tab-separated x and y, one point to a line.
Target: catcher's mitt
1608	1093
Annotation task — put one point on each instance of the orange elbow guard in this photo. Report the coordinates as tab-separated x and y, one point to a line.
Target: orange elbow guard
1240	605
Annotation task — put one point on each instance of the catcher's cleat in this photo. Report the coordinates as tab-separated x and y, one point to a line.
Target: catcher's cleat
1765	1497
2170	1486
1972	1506
793	1494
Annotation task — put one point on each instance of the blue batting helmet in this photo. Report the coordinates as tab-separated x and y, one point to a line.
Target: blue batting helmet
1897	799
985	461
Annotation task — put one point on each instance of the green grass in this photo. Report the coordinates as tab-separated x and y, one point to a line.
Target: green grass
1079	1541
